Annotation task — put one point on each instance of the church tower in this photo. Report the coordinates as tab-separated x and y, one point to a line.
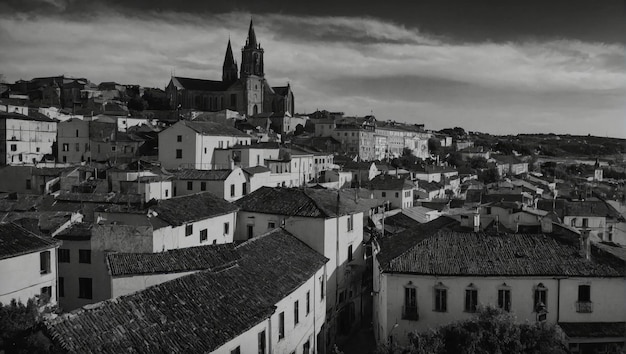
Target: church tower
229	70
252	75
252	56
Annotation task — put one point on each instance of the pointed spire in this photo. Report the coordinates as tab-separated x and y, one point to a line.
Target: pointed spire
229	59
251	36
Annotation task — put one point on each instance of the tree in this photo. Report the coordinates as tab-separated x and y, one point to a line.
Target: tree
20	327
478	162
489	175
137	104
434	145
492	330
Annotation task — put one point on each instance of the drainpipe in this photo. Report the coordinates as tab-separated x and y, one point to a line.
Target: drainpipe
314	314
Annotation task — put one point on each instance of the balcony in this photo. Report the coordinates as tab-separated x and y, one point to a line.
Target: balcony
584	307
410	313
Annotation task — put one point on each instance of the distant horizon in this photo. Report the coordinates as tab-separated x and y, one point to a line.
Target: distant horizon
505	69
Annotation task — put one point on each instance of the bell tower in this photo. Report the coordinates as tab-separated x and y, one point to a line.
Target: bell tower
252	56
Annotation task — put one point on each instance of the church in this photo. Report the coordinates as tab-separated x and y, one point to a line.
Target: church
244	90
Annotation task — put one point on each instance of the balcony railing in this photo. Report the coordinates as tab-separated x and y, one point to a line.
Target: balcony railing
410	313
584	306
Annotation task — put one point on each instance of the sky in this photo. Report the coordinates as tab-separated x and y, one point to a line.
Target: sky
495	66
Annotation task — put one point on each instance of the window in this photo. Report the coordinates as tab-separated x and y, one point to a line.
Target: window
44	262
14	147
308	302
262	342
244	188
220	144
77	133
84	256
113	148
226	228
541	297
585	222
66	147
471	298
77	146
86	146
296	313
202	186
188	229
350	253
84	288
179	138
350	222
232	190
61	287
167	193
64	255
271	225
397	194
504	298
189	185
281	326
441	298
306	348
46	293
236	350
179	153
28	184
250	231
584	305
409	311
384	194
204	235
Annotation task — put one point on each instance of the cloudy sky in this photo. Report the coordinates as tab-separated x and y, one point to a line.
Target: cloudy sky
497	66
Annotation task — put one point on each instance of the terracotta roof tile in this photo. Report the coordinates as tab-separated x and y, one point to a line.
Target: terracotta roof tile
484	254
16	241
389	183
207	175
195	313
210	257
179	210
594	329
212	128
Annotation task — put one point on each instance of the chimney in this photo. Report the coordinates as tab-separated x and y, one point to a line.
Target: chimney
585	246
476	221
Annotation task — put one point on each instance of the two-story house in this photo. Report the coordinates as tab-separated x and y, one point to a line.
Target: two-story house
434	274
397	190
25	139
228	184
274	304
190	144
28	264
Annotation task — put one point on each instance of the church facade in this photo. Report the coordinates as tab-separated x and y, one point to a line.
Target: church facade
243	89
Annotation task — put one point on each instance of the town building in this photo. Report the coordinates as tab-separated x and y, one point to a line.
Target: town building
395	190
246	91
228	184
262	304
191	144
435	274
24	140
330	222
28	264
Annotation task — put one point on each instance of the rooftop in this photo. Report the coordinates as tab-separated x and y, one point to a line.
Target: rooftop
189	208
200	84
316	203
387	182
213	128
211	257
448	253
208	175
16	241
195	313
593	329
37	118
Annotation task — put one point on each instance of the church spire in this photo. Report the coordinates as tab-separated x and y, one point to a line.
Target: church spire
229	70
251	41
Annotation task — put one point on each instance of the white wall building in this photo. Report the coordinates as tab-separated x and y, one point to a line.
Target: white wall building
191	144
24	140
28	263
225	183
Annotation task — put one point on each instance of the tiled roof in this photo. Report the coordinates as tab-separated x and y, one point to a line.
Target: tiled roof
16	241
41	118
211	257
213	128
196	313
429	186
112	198
256	169
489	254
316	203
361	165
389	183
201	85
594	329
207	175
179	210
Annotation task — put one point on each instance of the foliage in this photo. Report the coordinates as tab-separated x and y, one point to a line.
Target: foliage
137	104
20	327
478	162
492	330
489	175
156	99
434	145
455	133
